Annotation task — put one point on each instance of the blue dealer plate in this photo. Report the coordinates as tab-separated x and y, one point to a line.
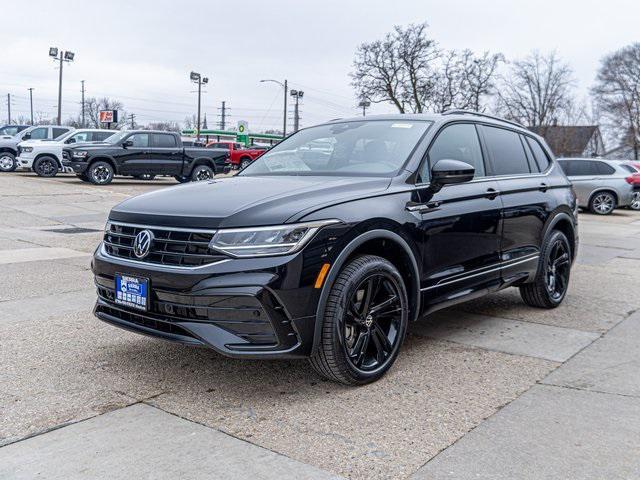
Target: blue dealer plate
132	292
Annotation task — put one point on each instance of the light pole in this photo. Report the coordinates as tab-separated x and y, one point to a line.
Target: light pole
297	94
62	57
31	102
284	115
364	104
200	80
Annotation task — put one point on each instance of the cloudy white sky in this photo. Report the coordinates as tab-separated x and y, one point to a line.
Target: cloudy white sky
141	52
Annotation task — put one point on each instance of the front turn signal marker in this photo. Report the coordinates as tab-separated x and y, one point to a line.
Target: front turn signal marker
322	274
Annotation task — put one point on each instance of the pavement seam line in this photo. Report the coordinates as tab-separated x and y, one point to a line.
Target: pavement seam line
587	390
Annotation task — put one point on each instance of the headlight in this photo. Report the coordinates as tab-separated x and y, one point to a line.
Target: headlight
266	241
27	149
80	154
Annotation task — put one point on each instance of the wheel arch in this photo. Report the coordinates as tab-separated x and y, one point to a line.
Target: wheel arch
10	150
45	154
209	162
564	222
603	189
109	160
374	242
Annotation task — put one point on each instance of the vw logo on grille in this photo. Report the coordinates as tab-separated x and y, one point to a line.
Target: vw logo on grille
142	243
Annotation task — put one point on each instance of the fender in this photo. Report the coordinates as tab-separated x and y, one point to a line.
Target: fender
558	216
340	261
203	161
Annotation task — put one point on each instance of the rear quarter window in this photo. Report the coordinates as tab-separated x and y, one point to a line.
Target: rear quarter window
539	155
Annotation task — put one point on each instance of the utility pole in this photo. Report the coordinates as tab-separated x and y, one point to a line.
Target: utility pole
83	124
132	119
9	107
285	86
223	116
31	103
200	80
62	57
297	94
364	104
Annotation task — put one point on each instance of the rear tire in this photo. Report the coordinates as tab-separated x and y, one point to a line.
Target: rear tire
244	163
8	162
635	203
100	173
365	322
602	203
46	167
201	173
552	278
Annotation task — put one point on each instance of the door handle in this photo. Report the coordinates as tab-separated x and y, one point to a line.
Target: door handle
543	187
492	193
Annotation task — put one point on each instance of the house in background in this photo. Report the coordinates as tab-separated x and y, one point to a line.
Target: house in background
572	141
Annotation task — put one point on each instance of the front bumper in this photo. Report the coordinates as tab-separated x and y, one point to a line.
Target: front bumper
72	166
245	308
24	162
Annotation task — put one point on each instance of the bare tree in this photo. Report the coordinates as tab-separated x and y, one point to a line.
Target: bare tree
617	94
190	122
537	91
169	126
408	70
93	107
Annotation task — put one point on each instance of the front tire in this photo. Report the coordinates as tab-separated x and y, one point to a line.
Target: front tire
602	203
365	322
46	167
552	278
8	162
100	173
201	173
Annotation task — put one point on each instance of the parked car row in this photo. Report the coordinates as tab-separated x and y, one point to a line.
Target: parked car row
96	155
603	185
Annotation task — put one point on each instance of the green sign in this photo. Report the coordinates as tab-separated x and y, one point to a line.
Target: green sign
243	132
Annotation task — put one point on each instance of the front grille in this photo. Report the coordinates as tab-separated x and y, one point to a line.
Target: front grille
169	247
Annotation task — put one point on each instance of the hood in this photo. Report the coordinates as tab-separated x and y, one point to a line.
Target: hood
241	201
9	142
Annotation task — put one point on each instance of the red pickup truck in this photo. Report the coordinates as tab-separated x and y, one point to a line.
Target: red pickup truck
239	155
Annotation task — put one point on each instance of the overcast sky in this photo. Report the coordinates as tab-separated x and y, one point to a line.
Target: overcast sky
141	52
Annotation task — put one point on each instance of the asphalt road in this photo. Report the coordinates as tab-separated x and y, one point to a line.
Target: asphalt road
490	389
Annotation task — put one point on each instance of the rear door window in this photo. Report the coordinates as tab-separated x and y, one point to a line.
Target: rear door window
583	168
100	136
163	140
457	142
506	151
59	131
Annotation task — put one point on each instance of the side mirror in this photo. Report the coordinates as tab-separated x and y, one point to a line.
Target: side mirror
127	143
26	136
447	172
71	140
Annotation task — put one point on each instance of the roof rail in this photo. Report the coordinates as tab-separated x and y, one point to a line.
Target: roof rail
479	114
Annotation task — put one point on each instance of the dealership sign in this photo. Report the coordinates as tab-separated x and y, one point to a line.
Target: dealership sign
108	116
243	132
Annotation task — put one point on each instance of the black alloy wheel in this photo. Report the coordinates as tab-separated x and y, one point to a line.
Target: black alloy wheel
365	322
201	173
46	167
100	173
552	278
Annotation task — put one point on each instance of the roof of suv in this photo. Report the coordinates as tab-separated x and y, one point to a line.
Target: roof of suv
441	117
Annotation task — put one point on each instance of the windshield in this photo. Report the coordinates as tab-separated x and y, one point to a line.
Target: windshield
113	139
360	148
9	130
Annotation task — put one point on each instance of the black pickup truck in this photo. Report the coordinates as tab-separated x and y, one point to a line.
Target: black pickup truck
142	154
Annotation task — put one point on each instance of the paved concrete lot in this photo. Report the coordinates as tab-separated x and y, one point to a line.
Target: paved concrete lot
489	389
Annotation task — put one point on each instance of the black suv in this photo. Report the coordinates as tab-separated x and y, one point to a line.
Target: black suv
333	241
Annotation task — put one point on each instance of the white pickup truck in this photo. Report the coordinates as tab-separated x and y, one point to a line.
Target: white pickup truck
9	144
45	156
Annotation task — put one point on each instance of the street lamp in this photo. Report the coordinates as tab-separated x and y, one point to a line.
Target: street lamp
59	56
297	94
284	116
200	80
